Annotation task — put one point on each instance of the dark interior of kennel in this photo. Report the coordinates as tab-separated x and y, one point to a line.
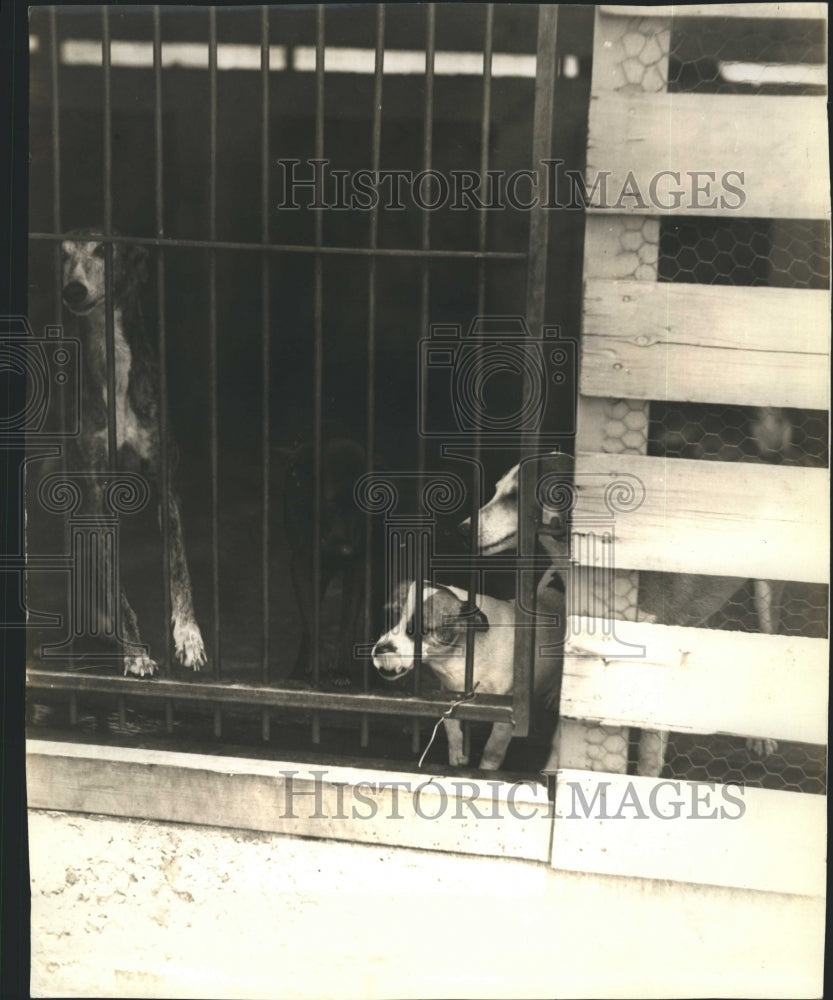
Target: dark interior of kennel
400	315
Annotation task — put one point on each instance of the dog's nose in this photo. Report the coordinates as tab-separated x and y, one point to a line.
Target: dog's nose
75	293
383	648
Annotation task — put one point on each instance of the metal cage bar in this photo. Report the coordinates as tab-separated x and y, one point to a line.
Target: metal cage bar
290	248
370	432
109	308
162	342
265	349
476	477
318	373
212	339
56	159
424	311
536	292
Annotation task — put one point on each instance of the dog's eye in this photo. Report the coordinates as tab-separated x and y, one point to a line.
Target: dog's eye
446	635
98	250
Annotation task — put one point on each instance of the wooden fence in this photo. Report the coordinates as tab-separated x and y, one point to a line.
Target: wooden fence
646	338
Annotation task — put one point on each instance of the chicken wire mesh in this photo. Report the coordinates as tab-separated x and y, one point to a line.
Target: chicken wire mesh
743	252
731	55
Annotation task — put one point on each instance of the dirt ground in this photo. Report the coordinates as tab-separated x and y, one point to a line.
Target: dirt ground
130	908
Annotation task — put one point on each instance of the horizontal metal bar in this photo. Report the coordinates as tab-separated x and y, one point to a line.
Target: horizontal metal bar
485	708
297	248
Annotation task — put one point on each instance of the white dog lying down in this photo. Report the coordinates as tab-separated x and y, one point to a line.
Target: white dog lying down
444	651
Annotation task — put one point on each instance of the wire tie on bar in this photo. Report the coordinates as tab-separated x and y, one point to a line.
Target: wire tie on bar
468	696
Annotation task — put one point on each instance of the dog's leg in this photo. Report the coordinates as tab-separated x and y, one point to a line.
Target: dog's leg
352	595
188	642
768	596
454	733
496	746
125	627
300	571
140	665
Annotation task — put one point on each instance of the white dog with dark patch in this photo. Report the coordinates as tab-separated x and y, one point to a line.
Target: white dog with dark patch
445	623
444	651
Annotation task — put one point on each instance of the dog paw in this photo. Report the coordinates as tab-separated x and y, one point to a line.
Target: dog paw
457	758
139	666
761	748
188	644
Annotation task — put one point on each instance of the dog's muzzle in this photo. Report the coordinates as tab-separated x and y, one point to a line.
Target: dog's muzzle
389	661
75	295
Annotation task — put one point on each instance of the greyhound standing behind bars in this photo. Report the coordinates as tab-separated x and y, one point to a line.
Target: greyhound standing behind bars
136	414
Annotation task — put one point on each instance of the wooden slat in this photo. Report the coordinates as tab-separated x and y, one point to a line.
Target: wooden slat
697	680
300	800
706	343
717	518
774	10
778	144
778	843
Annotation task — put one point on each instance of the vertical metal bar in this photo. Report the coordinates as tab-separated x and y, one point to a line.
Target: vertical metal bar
370	431
109	305
485	133
56	162
535	313
425	296
265	345
162	340
57	226
318	373
212	338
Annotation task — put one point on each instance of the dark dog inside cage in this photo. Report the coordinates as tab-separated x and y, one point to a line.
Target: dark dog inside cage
342	534
135	414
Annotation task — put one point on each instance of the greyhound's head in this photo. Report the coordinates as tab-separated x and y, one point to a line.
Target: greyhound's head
83	270
498	520
444	624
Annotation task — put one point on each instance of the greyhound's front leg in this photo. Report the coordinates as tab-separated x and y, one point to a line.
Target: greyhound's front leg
454	734
768	595
138	664
496	746
188	641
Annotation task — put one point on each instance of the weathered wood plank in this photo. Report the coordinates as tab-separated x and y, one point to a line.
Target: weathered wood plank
706	343
773	150
290	798
760	839
774	10
716	518
697	680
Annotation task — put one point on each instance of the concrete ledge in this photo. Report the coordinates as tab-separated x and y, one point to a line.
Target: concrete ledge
486	817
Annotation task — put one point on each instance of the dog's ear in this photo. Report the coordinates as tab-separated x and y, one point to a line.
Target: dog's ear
139	263
480	623
477	618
